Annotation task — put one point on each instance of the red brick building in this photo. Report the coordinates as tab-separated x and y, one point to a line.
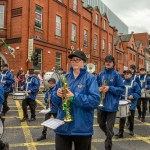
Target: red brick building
52	28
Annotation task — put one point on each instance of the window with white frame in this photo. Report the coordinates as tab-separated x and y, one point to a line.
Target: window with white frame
96	19
39	65
85	38
58	25
95	42
1	16
58	60
103	45
74	30
104	24
38	17
75	3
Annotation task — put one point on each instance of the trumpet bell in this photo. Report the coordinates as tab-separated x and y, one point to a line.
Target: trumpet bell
90	68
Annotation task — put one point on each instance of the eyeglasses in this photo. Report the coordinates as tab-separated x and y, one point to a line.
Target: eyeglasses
76	60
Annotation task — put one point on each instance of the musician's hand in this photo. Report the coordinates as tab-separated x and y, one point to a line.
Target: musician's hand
21	87
3	81
101	89
29	91
69	93
146	86
59	92
105	89
48	100
131	97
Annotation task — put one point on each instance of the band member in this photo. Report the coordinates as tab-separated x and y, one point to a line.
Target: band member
113	90
134	92
1	97
31	88
84	98
134	76
145	85
7	79
49	104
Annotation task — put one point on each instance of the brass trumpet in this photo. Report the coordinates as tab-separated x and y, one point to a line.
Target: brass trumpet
65	101
103	94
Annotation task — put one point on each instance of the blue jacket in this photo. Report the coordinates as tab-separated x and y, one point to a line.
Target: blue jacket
1	96
135	91
86	99
9	78
116	88
136	78
148	83
142	77
54	108
33	86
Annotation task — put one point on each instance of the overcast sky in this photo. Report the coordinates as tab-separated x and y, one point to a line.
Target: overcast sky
134	13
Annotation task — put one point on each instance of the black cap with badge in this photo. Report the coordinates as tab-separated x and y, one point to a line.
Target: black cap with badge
5	65
110	58
79	54
127	72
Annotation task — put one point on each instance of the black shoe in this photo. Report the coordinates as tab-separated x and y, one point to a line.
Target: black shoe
6	147
32	119
143	119
24	119
131	133
119	135
5	111
42	137
108	148
139	117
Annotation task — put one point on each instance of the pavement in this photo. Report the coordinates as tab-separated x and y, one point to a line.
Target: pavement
22	136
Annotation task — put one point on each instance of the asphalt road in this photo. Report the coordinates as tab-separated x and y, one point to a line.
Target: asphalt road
22	136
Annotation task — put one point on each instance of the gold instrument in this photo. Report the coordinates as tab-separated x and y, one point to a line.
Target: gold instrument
65	101
103	94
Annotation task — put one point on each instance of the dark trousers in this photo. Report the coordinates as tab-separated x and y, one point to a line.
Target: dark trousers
32	104
48	116
106	121
80	142
130	122
5	105
142	111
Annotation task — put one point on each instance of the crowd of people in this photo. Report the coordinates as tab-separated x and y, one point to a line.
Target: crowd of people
77	95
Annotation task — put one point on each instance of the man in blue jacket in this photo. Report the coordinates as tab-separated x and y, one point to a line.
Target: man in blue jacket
7	79
1	97
49	105
84	97
110	95
134	93
31	88
135	77
145	85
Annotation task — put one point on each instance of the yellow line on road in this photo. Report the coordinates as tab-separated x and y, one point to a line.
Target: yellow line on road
26	131
18	127
40	103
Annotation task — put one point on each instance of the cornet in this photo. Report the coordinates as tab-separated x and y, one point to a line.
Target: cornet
103	94
65	100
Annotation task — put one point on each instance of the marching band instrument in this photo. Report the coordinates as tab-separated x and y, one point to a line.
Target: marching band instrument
65	101
19	96
124	107
103	94
90	68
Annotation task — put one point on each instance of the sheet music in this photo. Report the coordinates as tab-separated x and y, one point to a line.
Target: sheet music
53	123
44	111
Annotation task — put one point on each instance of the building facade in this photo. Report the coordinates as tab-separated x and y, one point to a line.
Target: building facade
52	29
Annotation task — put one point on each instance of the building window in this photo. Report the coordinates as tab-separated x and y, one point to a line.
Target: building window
16	12
38	17
133	57
75	5
39	64
103	45
74	30
58	60
95	42
96	19
58	25
104	24
1	16
85	38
